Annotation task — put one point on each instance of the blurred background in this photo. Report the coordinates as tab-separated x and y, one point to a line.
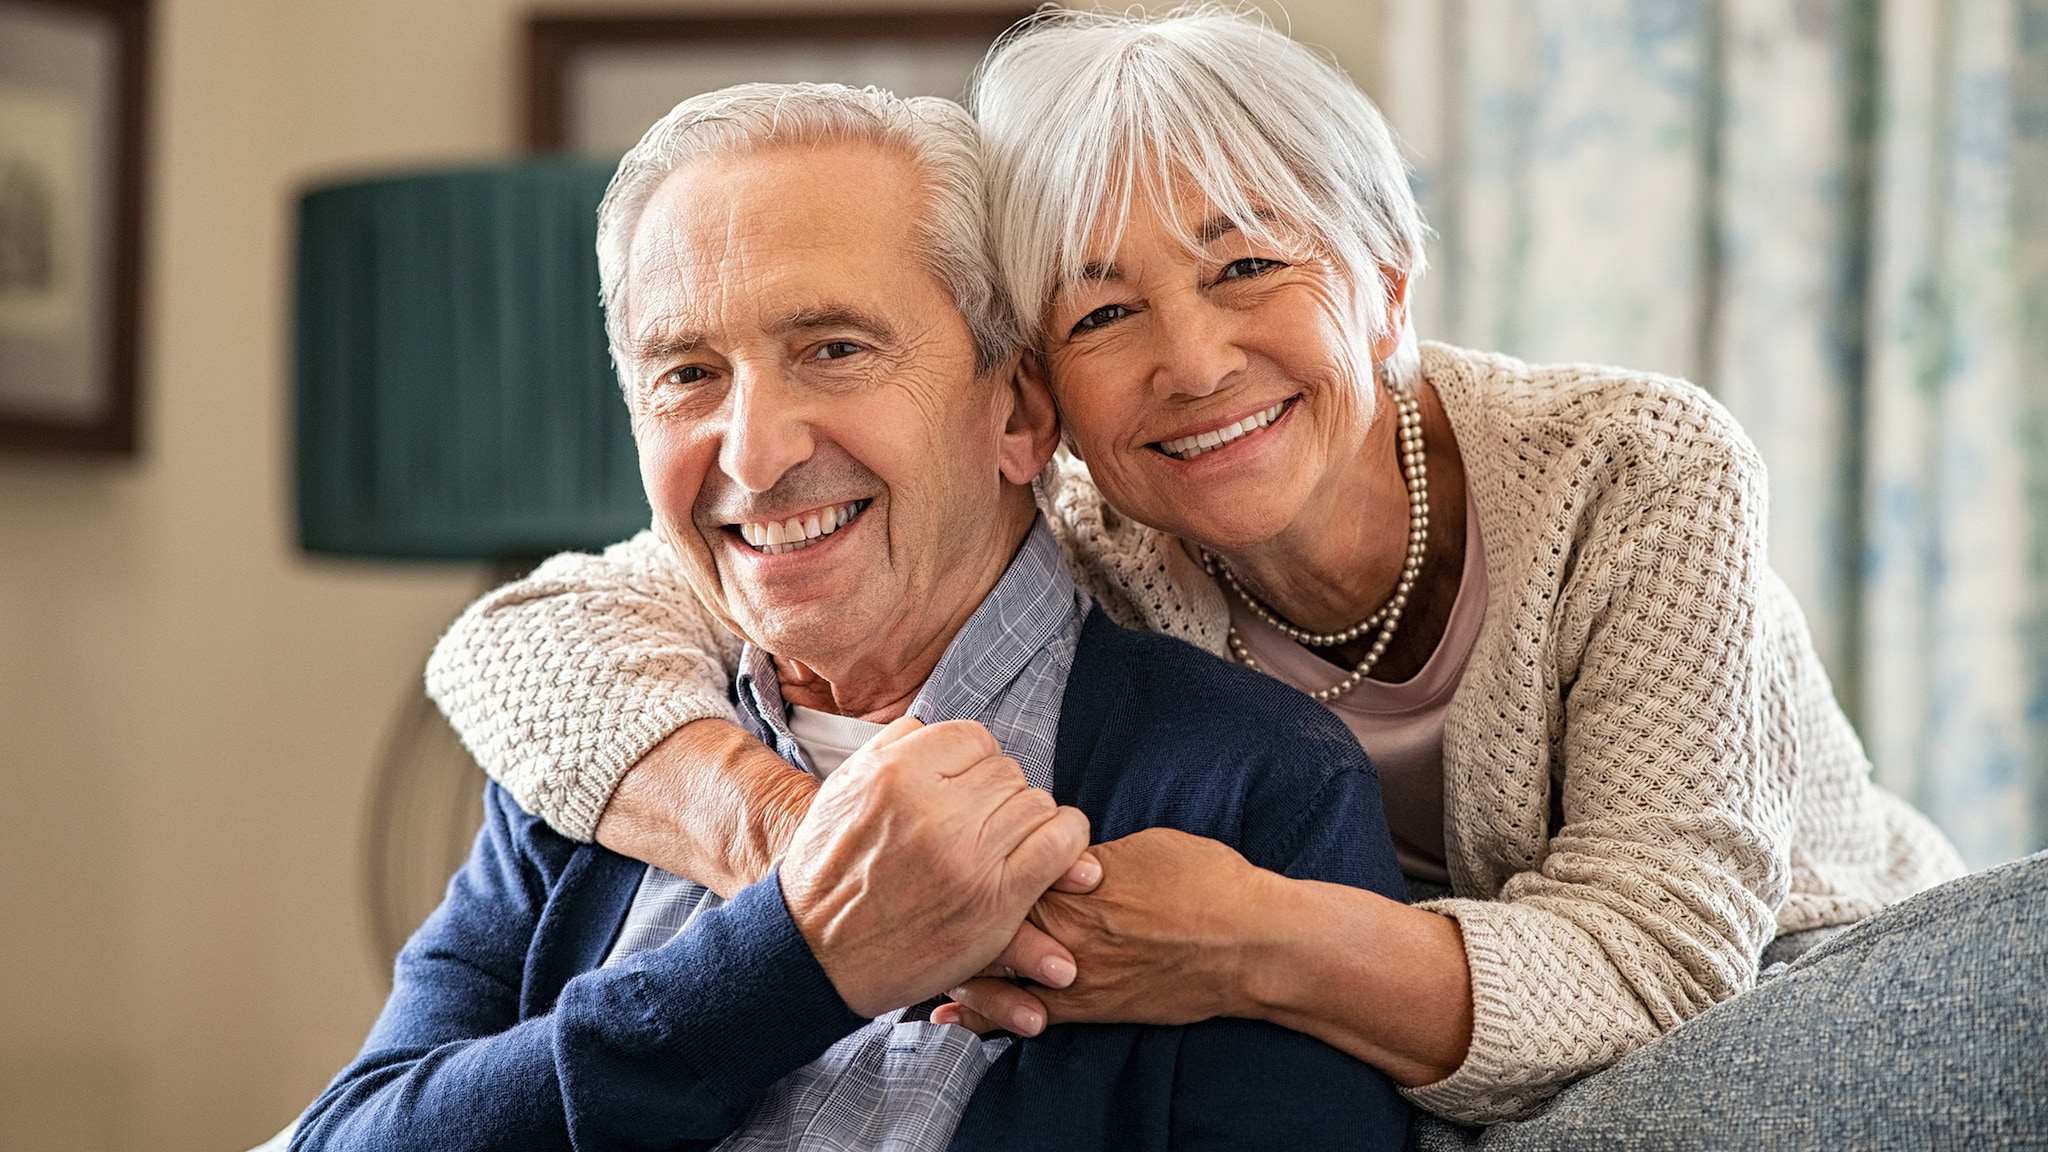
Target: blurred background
1832	213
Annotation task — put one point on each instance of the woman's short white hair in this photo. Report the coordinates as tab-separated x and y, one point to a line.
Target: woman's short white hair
1082	112
937	135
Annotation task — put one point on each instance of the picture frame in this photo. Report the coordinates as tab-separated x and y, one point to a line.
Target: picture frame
594	83
73	131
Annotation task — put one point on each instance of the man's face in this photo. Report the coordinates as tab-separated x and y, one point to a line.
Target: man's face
814	440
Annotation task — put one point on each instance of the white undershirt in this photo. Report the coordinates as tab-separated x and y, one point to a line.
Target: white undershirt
828	738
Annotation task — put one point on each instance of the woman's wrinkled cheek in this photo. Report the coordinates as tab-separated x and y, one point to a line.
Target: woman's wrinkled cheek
1100	420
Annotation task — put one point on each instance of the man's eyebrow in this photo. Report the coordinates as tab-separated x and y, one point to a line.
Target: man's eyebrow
832	316
662	343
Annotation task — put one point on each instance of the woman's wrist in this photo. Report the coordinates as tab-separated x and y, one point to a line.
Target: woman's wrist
1273	958
1383	981
779	804
709	802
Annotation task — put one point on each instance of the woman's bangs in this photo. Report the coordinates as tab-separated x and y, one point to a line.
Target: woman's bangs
1196	152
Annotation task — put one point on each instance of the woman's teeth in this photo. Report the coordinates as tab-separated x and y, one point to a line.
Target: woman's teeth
778	536
1189	447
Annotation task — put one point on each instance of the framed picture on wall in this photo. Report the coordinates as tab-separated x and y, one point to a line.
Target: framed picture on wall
595	83
71	139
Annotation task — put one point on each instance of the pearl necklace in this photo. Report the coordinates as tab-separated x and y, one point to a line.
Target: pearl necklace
1415	475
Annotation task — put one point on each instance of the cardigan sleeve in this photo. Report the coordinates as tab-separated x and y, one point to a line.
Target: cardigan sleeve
667	1050
561	681
1673	771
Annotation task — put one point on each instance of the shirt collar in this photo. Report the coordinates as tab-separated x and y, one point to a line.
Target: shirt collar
1006	668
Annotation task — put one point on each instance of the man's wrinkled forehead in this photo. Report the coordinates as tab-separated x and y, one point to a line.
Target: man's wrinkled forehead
749	238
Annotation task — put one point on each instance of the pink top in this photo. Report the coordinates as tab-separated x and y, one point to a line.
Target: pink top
1401	726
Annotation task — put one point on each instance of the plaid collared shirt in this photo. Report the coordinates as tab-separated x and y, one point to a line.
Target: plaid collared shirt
902	1084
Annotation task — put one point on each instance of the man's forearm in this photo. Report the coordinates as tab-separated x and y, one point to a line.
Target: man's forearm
709	802
669	1049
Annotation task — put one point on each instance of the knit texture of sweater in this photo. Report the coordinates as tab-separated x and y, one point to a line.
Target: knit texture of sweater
1641	671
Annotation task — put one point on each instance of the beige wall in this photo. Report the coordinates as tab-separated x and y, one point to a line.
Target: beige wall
188	707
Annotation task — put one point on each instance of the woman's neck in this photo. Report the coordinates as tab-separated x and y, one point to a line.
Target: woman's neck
1342	557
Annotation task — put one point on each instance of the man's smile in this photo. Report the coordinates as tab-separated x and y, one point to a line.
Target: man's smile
774	537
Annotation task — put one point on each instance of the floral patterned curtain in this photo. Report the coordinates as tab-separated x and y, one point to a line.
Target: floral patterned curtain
1834	215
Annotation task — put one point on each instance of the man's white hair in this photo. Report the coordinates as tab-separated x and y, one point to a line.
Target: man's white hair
936	135
1082	113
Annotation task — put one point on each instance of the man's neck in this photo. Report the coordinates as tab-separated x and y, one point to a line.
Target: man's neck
880	684
880	700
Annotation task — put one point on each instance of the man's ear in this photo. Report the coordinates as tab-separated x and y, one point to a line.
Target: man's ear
1031	431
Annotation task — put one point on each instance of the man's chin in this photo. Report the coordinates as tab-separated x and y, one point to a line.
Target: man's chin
810	628
807	638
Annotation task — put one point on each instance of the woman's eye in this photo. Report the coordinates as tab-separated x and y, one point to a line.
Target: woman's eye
1247	268
836	350
1107	314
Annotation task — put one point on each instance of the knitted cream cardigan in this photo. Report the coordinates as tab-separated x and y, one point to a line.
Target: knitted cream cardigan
1640	669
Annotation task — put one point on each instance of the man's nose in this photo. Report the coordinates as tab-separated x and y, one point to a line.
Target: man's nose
766	435
1195	350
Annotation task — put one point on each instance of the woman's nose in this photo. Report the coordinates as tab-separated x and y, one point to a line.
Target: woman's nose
1196	350
765	435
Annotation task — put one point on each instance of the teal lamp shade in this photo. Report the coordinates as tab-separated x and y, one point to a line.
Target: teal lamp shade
455	398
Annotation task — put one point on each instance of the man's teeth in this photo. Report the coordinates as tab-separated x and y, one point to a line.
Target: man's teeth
1189	447
778	536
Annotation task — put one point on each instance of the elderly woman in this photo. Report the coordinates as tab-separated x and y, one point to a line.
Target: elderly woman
1539	597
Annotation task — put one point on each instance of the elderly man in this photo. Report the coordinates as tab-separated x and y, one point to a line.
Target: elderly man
839	445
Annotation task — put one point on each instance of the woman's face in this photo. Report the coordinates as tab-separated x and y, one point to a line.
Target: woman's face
1219	392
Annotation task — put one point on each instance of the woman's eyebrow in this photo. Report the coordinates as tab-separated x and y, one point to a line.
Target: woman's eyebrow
1217	227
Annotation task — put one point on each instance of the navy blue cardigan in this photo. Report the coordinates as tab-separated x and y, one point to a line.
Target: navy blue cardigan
502	1032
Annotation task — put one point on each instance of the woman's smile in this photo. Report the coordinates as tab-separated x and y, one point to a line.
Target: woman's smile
1218	435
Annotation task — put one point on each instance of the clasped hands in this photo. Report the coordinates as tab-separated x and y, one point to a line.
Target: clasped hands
920	859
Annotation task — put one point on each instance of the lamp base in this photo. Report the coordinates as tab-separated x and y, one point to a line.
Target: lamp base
426	804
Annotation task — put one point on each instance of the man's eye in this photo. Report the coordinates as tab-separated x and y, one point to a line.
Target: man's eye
836	350
690	374
1107	314
1247	268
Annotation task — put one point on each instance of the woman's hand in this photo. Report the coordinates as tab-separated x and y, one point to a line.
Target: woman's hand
1163	939
1182	929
